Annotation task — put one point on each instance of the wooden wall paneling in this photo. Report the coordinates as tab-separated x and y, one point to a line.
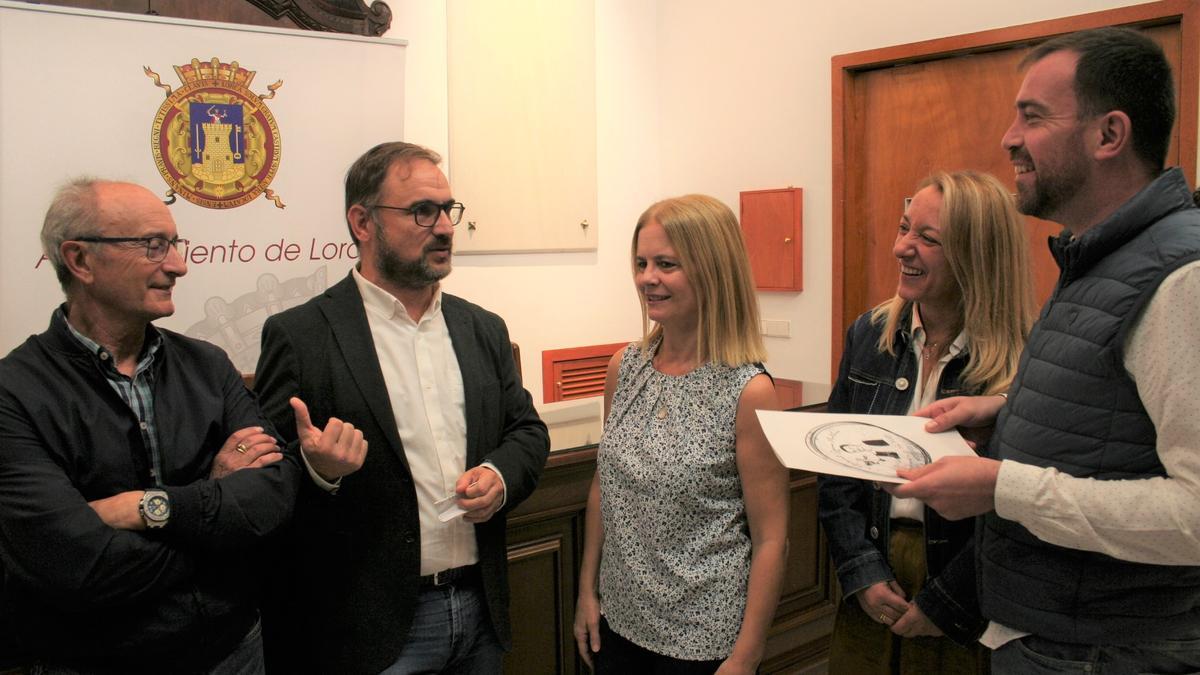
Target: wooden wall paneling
541	579
807	584
545	538
916	92
804	620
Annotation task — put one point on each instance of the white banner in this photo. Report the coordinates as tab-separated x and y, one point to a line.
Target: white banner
96	93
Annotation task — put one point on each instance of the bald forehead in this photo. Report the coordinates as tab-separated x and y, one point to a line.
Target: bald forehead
126	209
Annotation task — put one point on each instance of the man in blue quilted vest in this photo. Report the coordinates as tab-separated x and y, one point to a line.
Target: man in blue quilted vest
1089	545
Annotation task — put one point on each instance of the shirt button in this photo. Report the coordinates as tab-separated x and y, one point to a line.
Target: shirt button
142	425
103	356
874	532
902	383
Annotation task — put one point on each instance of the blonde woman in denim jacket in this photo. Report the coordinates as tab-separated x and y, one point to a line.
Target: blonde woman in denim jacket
962	310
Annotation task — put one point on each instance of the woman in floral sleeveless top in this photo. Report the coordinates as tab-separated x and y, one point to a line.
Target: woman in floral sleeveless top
687	518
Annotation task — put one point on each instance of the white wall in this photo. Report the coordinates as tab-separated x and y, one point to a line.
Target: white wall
557	300
712	96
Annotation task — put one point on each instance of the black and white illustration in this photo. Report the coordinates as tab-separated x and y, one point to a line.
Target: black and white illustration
870	447
866	446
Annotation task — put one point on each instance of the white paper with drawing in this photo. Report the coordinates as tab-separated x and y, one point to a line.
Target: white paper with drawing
870	447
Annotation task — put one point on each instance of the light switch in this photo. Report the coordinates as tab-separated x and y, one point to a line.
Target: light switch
775	328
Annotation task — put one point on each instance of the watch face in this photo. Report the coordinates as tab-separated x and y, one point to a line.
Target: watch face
157	507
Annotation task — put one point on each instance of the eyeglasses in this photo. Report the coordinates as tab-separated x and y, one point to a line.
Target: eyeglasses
426	213
156	247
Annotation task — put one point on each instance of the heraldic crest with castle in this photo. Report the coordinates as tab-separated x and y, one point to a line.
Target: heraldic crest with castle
214	141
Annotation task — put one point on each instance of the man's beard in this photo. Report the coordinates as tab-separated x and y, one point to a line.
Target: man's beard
409	273
1046	196
1052	188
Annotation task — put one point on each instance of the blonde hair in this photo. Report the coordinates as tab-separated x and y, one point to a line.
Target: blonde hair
708	241
987	252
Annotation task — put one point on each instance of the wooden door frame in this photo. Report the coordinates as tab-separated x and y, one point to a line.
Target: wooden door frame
847	67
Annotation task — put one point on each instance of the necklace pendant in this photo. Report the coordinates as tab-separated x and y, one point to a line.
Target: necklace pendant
930	350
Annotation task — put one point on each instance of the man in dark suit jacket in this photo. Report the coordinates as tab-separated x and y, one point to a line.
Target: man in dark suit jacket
400	566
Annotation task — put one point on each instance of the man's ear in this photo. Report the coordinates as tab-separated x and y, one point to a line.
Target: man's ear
358	217
77	256
1114	135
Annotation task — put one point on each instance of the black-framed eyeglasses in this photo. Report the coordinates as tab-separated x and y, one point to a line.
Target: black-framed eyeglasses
426	213
156	247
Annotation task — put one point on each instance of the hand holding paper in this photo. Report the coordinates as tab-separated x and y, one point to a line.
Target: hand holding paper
448	508
870	447
955	487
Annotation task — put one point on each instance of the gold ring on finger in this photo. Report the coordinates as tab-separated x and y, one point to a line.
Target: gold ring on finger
241	447
882	617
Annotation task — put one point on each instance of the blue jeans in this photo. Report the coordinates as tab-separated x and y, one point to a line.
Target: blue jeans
1033	655
451	633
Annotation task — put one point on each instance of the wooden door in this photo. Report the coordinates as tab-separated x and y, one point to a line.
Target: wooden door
950	101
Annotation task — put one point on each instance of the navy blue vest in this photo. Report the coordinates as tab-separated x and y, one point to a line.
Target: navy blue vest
1072	406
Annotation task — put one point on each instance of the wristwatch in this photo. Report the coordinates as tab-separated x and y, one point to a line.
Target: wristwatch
155	508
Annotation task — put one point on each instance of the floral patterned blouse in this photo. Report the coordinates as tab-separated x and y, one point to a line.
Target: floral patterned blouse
675	563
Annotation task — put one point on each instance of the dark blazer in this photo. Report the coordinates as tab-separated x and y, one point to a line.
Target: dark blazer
351	562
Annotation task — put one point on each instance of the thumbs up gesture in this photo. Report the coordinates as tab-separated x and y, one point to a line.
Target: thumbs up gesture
335	451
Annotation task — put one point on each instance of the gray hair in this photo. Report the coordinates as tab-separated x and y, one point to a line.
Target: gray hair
73	213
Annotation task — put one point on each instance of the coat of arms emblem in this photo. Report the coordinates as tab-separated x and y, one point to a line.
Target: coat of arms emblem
214	141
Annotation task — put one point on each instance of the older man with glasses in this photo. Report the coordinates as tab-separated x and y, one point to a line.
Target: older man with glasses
137	476
400	567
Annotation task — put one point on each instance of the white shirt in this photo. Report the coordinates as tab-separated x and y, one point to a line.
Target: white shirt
1150	520
914	509
425	390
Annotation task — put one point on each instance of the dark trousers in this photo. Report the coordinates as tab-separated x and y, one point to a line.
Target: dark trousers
618	656
245	659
